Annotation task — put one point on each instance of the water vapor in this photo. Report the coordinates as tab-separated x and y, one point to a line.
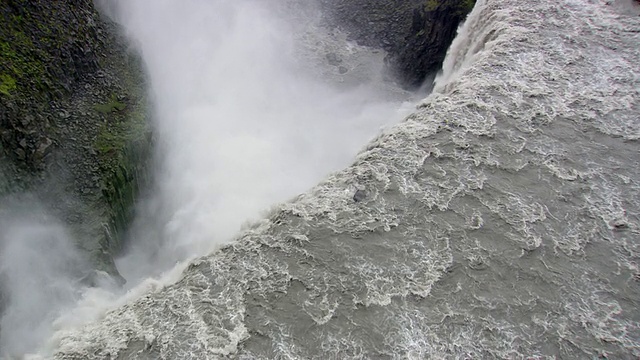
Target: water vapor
40	274
244	116
247	112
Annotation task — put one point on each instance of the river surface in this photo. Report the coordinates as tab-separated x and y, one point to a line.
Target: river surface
501	219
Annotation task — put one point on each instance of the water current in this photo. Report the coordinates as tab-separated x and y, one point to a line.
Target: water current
499	220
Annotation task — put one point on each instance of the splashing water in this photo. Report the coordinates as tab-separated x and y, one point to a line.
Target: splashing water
500	220
242	122
247	112
40	273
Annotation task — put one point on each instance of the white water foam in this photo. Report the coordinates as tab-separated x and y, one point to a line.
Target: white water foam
471	240
241	122
243	119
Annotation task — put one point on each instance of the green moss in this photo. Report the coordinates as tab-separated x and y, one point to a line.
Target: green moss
123	148
431	5
111	106
21	63
114	137
468	5
7	84
465	6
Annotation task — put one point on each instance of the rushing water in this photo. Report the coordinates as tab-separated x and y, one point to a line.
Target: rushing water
254	103
499	220
249	113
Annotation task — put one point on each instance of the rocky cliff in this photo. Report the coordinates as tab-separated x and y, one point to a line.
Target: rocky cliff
415	33
73	118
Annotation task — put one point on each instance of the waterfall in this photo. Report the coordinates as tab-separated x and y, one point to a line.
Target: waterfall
250	110
498	220
243	121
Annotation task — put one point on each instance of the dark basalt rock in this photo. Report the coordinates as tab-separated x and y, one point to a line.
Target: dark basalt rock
72	118
415	33
359	195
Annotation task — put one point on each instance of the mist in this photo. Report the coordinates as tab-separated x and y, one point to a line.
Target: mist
40	274
248	113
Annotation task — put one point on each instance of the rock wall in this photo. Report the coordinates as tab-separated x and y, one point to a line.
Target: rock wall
415	33
73	118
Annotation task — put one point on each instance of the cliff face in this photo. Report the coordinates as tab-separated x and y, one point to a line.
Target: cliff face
415	33
72	118
47	48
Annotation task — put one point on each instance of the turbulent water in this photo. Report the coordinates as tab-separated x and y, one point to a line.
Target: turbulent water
249	113
499	220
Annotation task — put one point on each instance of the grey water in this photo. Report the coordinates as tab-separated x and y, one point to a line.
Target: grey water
248	112
499	220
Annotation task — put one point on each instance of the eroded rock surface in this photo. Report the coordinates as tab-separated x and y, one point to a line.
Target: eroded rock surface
415	33
73	118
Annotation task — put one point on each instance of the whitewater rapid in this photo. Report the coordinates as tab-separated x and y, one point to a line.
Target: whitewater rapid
499	220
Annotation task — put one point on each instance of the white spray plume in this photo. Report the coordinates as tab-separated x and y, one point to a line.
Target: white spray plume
243	121
40	274
243	118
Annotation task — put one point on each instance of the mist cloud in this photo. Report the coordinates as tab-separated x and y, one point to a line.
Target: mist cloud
242	116
40	274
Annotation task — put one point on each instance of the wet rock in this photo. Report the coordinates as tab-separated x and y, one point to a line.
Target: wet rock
478	265
43	146
64	114
415	33
20	154
359	195
619	224
333	59
63	59
25	121
425	47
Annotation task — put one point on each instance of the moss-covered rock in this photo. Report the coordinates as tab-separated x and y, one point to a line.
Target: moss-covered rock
46	49
73	118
